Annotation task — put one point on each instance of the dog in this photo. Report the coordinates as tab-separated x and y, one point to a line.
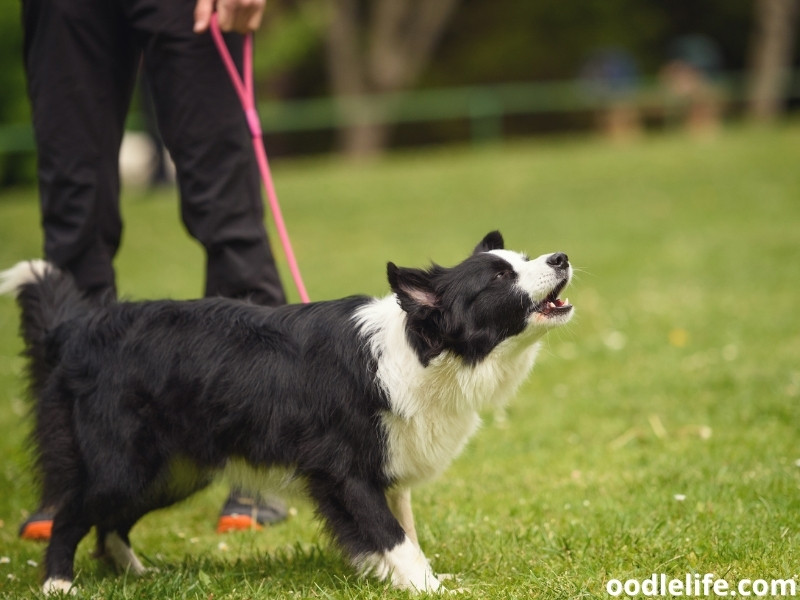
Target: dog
139	404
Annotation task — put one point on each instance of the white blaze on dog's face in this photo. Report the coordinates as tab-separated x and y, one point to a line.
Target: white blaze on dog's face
542	278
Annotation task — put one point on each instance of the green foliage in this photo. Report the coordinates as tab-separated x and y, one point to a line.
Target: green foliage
13	99
287	38
13	106
658	432
508	40
539	40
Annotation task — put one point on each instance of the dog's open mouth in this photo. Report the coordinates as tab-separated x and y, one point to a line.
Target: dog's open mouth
552	305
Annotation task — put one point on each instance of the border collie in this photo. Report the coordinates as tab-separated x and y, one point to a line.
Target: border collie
138	404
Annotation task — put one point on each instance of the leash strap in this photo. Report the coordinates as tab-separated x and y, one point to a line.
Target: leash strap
244	89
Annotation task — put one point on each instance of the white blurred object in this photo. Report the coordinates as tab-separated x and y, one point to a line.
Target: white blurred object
138	160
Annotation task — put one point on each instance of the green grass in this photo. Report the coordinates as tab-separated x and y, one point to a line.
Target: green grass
658	433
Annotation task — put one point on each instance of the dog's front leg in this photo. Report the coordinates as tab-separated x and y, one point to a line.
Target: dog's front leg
400	504
358	514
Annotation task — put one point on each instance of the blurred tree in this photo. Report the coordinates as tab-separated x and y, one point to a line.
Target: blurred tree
378	46
771	57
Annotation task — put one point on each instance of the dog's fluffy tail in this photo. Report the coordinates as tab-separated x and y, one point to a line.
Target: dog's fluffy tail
47	297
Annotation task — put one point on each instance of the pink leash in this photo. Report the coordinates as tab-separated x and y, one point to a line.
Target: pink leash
247	97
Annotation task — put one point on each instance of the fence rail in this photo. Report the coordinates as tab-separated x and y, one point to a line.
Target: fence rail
483	106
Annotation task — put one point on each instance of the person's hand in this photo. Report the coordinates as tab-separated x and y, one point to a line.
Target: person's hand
242	16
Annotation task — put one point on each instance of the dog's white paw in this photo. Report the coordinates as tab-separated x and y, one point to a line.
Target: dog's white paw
405	566
62	587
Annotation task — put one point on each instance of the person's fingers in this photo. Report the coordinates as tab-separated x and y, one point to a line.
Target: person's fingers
255	20
241	16
202	15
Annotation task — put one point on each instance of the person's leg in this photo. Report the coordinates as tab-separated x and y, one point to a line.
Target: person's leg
80	66
204	128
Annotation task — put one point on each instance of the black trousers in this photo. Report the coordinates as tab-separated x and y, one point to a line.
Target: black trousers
81	61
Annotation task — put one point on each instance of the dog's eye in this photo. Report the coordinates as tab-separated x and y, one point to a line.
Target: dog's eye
503	275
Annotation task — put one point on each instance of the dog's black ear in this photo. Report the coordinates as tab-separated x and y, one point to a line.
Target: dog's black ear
413	288
417	297
492	241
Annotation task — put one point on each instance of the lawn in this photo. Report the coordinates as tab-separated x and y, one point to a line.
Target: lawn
657	434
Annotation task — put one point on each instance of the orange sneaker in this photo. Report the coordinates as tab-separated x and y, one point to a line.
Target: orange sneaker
37	527
241	513
236	522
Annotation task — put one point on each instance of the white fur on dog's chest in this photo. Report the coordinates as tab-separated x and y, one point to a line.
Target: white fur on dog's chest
434	409
419	450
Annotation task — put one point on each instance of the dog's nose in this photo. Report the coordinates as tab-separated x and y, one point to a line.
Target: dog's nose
559	260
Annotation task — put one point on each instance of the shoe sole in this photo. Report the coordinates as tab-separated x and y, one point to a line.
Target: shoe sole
36	530
228	523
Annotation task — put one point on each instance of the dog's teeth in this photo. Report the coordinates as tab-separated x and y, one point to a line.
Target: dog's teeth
566	302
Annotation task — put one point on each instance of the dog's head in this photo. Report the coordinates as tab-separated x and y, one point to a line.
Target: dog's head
471	308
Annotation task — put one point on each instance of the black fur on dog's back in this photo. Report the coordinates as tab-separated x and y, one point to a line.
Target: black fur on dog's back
186	366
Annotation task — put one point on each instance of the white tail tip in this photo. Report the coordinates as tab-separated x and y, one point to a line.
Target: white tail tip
22	273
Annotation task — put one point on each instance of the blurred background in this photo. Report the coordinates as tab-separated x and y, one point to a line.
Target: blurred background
360	78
